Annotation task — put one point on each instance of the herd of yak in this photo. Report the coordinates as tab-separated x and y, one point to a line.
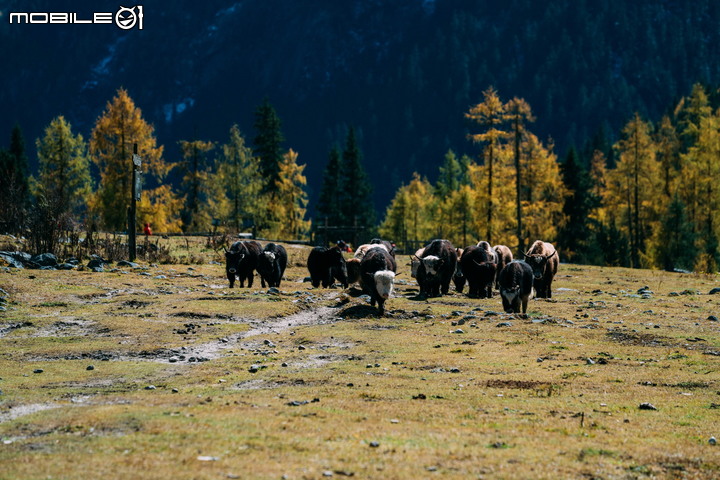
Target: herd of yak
434	266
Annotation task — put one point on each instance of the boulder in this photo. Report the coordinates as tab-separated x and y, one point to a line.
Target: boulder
45	260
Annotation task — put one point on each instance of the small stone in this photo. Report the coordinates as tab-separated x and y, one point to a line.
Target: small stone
374	444
713	318
459	330
38	370
284	364
647	406
714	291
150	387
301	347
590	361
175	390
253	368
712	441
90	367
327	473
540	360
504	324
454	370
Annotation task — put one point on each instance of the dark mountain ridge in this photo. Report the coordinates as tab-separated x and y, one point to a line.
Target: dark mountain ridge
403	71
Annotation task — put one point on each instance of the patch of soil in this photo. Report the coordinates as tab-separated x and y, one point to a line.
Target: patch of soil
9	328
640	339
263	384
135	304
191	315
518	384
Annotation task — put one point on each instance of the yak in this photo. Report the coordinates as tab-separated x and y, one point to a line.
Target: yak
516	285
271	264
459	277
377	273
241	261
544	260
326	264
504	256
479	265
436	269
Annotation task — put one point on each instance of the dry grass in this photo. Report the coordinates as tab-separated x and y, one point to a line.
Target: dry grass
311	383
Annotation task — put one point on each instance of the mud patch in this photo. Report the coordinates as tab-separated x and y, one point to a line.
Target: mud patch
317	361
262	384
68	327
640	339
192	315
135	304
518	384
9	328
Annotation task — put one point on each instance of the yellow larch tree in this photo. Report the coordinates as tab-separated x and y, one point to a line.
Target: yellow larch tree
633	187
289	200
490	115
111	148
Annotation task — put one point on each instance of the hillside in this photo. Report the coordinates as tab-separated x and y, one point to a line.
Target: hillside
403	72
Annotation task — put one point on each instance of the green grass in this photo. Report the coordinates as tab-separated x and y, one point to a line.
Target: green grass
343	391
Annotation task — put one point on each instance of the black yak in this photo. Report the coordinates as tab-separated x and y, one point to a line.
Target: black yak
436	269
271	264
516	285
326	264
241	261
479	265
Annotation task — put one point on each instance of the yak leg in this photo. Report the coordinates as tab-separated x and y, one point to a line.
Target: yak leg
231	279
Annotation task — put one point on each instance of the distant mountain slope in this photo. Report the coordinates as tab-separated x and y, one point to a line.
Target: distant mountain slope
402	71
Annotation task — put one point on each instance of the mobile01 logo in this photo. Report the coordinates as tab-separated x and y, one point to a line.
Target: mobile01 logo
125	18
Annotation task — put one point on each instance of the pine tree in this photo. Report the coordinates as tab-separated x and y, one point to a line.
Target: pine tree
17	150
14	183
356	204
453	198
111	148
64	176
675	247
574	239
238	172
409	215
195	184
329	201
268	144
450	175
490	116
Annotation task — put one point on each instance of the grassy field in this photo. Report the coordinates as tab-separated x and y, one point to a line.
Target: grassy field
162	372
